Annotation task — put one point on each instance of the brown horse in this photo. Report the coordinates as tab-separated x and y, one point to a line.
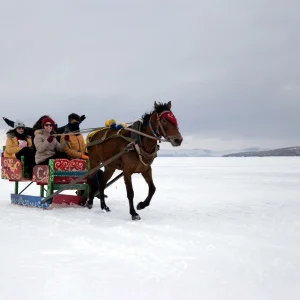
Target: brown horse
108	142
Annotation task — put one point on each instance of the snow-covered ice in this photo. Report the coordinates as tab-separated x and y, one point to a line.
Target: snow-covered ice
216	229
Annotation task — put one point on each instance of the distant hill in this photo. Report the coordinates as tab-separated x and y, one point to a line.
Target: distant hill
184	153
178	152
289	151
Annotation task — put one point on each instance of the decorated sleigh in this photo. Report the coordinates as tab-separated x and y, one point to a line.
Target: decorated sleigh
50	178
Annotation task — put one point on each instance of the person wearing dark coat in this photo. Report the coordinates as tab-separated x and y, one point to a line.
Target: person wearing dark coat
75	148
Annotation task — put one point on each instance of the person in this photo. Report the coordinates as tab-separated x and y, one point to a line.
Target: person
37	125
47	147
18	144
75	147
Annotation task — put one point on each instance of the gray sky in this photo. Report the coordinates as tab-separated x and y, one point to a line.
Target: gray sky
231	68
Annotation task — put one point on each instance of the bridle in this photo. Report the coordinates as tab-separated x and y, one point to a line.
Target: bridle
159	131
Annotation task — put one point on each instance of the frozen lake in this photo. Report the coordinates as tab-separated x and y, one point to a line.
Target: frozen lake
217	228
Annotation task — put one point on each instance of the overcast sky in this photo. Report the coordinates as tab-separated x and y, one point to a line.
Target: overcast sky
231	68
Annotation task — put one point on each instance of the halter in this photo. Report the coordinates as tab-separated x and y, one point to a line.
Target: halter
159	132
152	131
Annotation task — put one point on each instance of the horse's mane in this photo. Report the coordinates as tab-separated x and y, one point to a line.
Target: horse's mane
160	108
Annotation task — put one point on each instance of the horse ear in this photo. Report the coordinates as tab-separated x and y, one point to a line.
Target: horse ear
169	105
155	105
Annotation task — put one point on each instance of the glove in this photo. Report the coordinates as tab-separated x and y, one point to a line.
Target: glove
67	137
50	138
8	122
84	156
22	144
82	118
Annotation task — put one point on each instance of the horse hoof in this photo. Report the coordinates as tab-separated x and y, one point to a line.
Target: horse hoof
106	209
89	205
140	206
136	218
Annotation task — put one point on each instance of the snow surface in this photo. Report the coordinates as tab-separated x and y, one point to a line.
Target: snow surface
217	228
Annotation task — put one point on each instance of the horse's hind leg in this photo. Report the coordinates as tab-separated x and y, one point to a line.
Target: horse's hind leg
130	195
148	177
103	179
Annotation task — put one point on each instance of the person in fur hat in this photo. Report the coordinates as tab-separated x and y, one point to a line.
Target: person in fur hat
47	147
18	144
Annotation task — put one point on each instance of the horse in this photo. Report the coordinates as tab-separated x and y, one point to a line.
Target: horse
108	142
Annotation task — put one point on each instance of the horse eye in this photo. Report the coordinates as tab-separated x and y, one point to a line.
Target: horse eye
163	120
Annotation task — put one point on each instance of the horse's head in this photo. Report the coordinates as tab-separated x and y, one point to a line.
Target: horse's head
165	123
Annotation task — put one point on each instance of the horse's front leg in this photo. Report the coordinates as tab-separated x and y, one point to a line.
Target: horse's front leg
148	177
103	178
130	195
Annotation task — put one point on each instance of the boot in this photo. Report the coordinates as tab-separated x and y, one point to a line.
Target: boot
27	173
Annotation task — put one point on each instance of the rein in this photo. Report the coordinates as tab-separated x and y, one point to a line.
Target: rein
88	130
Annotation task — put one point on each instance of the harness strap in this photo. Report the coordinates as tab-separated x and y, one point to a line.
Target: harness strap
90	144
105	134
128	148
138	150
141	133
143	154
